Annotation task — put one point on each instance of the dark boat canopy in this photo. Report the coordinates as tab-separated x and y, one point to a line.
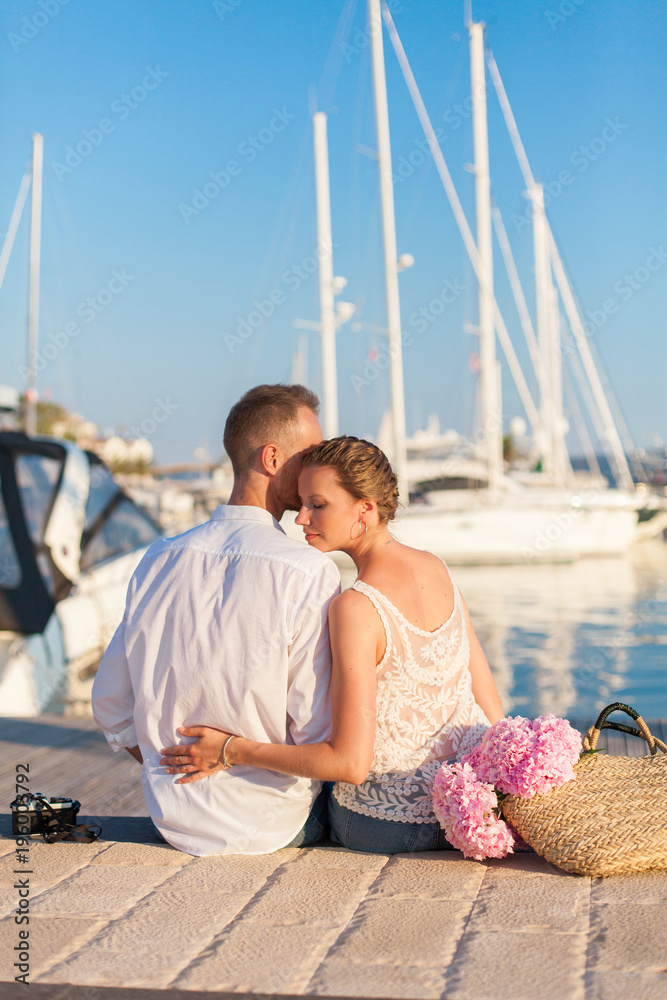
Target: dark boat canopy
61	514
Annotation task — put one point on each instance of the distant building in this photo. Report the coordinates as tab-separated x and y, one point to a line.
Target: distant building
119	453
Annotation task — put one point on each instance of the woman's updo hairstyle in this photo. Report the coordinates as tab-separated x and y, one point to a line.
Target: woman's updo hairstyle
363	470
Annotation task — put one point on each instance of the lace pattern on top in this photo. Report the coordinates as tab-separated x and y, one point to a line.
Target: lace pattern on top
426	714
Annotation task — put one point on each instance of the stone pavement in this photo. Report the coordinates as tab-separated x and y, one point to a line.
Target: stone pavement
329	922
129	911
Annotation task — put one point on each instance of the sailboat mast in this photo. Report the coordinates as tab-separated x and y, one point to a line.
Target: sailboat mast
555	461
610	438
14	223
562	466
544	316
490	409
325	256
33	304
390	253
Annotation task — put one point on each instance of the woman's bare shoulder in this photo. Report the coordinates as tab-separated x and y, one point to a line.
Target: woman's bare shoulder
350	604
405	565
353	619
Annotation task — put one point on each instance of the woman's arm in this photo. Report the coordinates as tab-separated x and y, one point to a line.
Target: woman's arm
355	638
483	684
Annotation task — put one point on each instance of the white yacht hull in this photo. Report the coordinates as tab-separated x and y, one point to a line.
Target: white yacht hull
518	533
54	671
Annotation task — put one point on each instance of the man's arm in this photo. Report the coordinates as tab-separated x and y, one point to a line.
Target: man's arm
309	671
113	697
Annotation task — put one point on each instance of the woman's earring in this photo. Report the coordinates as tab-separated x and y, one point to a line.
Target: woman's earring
365	527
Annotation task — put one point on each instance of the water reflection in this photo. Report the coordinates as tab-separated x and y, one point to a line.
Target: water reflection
569	639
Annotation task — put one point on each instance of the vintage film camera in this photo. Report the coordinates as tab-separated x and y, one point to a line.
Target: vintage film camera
37	815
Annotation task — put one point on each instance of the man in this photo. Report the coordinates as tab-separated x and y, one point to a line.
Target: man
226	625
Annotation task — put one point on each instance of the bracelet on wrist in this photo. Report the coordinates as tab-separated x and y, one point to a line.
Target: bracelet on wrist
226	764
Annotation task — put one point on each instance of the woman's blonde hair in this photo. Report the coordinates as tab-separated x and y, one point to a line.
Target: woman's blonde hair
363	470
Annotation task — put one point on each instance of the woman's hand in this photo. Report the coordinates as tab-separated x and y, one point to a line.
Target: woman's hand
196	760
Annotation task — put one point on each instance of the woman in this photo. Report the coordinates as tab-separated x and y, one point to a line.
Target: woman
411	686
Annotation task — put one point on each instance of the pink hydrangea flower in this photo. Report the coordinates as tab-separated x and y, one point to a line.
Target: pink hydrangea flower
465	808
515	757
525	758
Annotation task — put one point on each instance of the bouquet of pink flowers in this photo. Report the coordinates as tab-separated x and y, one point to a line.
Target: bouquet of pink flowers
515	757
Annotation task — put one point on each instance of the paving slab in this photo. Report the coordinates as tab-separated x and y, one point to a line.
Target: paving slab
432	875
148	945
412	982
227	874
403	932
250	957
331	856
537	901
626	986
50	939
644	887
100	891
629	937
309	895
521	965
51	863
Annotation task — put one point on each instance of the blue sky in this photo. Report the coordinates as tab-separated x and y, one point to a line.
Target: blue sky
160	95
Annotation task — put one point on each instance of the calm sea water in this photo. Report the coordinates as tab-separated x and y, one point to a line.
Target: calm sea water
570	639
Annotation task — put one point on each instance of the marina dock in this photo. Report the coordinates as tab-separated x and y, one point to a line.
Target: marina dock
129	914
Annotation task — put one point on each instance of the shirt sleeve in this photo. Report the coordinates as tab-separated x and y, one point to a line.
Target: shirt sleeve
113	696
309	691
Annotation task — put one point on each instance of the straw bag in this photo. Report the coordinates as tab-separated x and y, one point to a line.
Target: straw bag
612	819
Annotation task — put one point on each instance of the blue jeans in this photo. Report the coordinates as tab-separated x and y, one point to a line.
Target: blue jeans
316	826
382	836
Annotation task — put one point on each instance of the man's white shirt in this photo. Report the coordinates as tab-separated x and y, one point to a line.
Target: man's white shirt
226	626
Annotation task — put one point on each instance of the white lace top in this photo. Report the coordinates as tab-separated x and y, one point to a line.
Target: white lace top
426	713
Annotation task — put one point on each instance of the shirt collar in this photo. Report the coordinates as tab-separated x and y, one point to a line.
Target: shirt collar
234	512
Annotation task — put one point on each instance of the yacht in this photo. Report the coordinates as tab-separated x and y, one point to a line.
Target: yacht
70	539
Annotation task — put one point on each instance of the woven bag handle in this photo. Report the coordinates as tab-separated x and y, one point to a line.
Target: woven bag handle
591	738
